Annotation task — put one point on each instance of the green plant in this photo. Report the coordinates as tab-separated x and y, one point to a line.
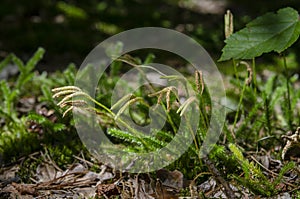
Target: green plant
30	118
255	118
15	129
264	106
253	178
137	105
270	32
259	101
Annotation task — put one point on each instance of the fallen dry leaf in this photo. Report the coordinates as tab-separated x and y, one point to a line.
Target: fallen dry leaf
107	190
25	189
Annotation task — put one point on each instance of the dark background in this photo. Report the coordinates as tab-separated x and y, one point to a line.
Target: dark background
69	30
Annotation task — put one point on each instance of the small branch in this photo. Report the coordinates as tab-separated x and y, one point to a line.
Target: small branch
218	177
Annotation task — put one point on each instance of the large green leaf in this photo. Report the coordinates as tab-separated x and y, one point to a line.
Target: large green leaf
270	32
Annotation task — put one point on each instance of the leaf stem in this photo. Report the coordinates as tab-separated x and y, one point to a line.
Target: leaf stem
290	123
235	69
254	75
239	105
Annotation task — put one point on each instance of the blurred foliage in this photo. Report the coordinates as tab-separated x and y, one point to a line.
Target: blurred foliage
70	29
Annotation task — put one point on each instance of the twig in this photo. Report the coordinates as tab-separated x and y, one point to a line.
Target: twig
268	170
217	175
84	160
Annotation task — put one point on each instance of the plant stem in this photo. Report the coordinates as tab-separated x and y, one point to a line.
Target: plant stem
267	114
99	104
254	75
235	70
119	119
288	94
239	105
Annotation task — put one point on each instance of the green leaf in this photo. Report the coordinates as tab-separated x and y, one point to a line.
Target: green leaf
18	62
5	62
236	152
23	79
123	135
38	55
69	74
58	127
270	32
27	71
47	93
71	10
149	59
